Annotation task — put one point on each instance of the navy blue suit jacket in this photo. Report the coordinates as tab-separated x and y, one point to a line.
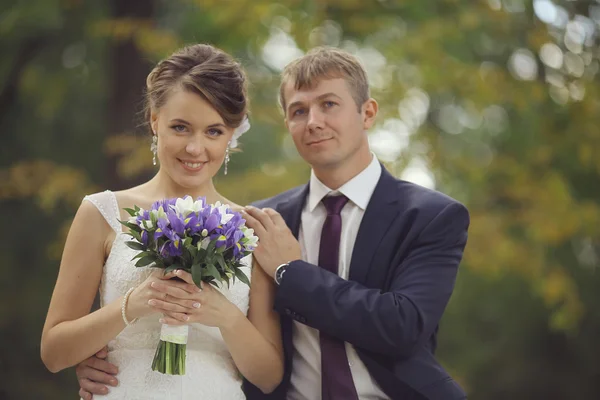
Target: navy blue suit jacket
404	264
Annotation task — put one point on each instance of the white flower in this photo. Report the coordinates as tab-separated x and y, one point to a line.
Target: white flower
225	216
250	238
132	220
160	213
146	224
184	206
204	233
204	243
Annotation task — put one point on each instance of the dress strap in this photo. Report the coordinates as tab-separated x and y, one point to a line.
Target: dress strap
106	203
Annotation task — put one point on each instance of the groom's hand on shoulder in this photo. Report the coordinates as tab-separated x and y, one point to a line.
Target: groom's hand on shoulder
94	374
276	243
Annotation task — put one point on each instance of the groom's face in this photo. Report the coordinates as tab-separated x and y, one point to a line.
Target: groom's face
326	124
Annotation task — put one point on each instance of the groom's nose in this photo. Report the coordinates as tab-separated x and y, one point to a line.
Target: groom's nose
316	119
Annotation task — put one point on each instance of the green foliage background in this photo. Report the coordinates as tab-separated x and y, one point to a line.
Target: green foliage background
494	102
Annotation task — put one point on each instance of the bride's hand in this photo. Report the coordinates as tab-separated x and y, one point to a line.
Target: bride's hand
208	306
139	304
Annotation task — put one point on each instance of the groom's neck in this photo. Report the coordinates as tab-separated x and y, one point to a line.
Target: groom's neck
337	175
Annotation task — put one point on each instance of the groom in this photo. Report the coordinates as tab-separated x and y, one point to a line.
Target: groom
364	263
360	307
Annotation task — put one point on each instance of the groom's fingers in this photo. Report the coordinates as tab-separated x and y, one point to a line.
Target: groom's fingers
253	223
275	217
261	216
99	373
90	388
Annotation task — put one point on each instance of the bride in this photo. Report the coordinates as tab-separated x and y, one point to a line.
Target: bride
197	106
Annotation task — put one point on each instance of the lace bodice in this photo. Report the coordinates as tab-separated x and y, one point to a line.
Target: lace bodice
210	371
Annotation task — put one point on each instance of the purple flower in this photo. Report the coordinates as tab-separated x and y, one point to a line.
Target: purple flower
212	222
176	223
163	228
145	238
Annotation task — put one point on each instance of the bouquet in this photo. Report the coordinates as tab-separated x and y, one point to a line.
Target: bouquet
205	240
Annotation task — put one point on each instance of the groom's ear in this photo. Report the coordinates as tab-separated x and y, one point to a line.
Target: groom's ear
369	111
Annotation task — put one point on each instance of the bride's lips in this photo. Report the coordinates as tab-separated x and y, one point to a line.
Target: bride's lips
192	166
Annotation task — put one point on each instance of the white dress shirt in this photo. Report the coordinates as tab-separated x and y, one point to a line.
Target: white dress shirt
306	369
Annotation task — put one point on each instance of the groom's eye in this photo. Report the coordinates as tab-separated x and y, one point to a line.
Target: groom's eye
297	112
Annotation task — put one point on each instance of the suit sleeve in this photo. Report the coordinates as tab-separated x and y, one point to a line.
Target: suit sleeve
395	322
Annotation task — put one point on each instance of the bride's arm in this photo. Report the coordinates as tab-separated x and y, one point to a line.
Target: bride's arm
255	343
70	333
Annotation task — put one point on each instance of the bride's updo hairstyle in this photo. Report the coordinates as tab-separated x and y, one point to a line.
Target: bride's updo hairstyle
206	71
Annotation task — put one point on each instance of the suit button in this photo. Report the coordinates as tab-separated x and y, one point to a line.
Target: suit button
288	311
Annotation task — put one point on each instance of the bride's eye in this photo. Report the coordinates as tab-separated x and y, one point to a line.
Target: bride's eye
214	132
179	128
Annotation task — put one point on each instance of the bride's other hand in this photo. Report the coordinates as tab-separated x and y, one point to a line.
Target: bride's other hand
139	303
207	307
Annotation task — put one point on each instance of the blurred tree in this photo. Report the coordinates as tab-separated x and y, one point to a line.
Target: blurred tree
494	102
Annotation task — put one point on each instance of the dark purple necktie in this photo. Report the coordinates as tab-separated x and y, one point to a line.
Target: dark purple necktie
336	377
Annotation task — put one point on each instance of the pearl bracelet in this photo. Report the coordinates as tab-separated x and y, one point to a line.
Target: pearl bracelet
124	306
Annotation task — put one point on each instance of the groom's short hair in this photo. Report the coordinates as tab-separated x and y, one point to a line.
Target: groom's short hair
326	63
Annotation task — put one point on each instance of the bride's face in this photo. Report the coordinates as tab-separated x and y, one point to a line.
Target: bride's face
192	139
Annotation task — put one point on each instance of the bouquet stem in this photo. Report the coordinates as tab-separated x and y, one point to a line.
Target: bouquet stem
170	354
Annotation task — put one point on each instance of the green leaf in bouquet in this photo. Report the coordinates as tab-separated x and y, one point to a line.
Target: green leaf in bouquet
141	254
135	235
211	271
160	263
132	212
153	218
193	252
241	276
197	274
135	245
211	247
187	242
144	261
200	256
221	262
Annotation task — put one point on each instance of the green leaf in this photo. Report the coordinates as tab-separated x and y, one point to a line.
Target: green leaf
142	254
211	247
132	212
241	276
197	274
221	262
135	245
211	270
144	261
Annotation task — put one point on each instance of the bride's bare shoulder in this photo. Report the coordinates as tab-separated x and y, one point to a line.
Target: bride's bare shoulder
234	206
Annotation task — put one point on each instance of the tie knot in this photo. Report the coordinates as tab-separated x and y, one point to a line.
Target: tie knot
334	204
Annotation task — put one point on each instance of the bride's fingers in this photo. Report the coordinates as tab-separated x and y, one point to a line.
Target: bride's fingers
177	306
171	289
186	276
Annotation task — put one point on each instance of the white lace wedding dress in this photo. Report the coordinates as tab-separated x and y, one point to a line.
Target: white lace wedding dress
210	371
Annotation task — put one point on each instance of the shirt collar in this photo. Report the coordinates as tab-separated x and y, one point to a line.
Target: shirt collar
358	189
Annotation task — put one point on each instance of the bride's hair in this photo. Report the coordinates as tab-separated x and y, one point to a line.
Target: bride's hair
206	71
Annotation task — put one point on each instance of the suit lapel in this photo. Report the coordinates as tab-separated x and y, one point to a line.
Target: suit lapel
378	217
291	210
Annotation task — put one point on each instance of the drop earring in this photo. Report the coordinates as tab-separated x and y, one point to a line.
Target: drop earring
227	156
154	148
